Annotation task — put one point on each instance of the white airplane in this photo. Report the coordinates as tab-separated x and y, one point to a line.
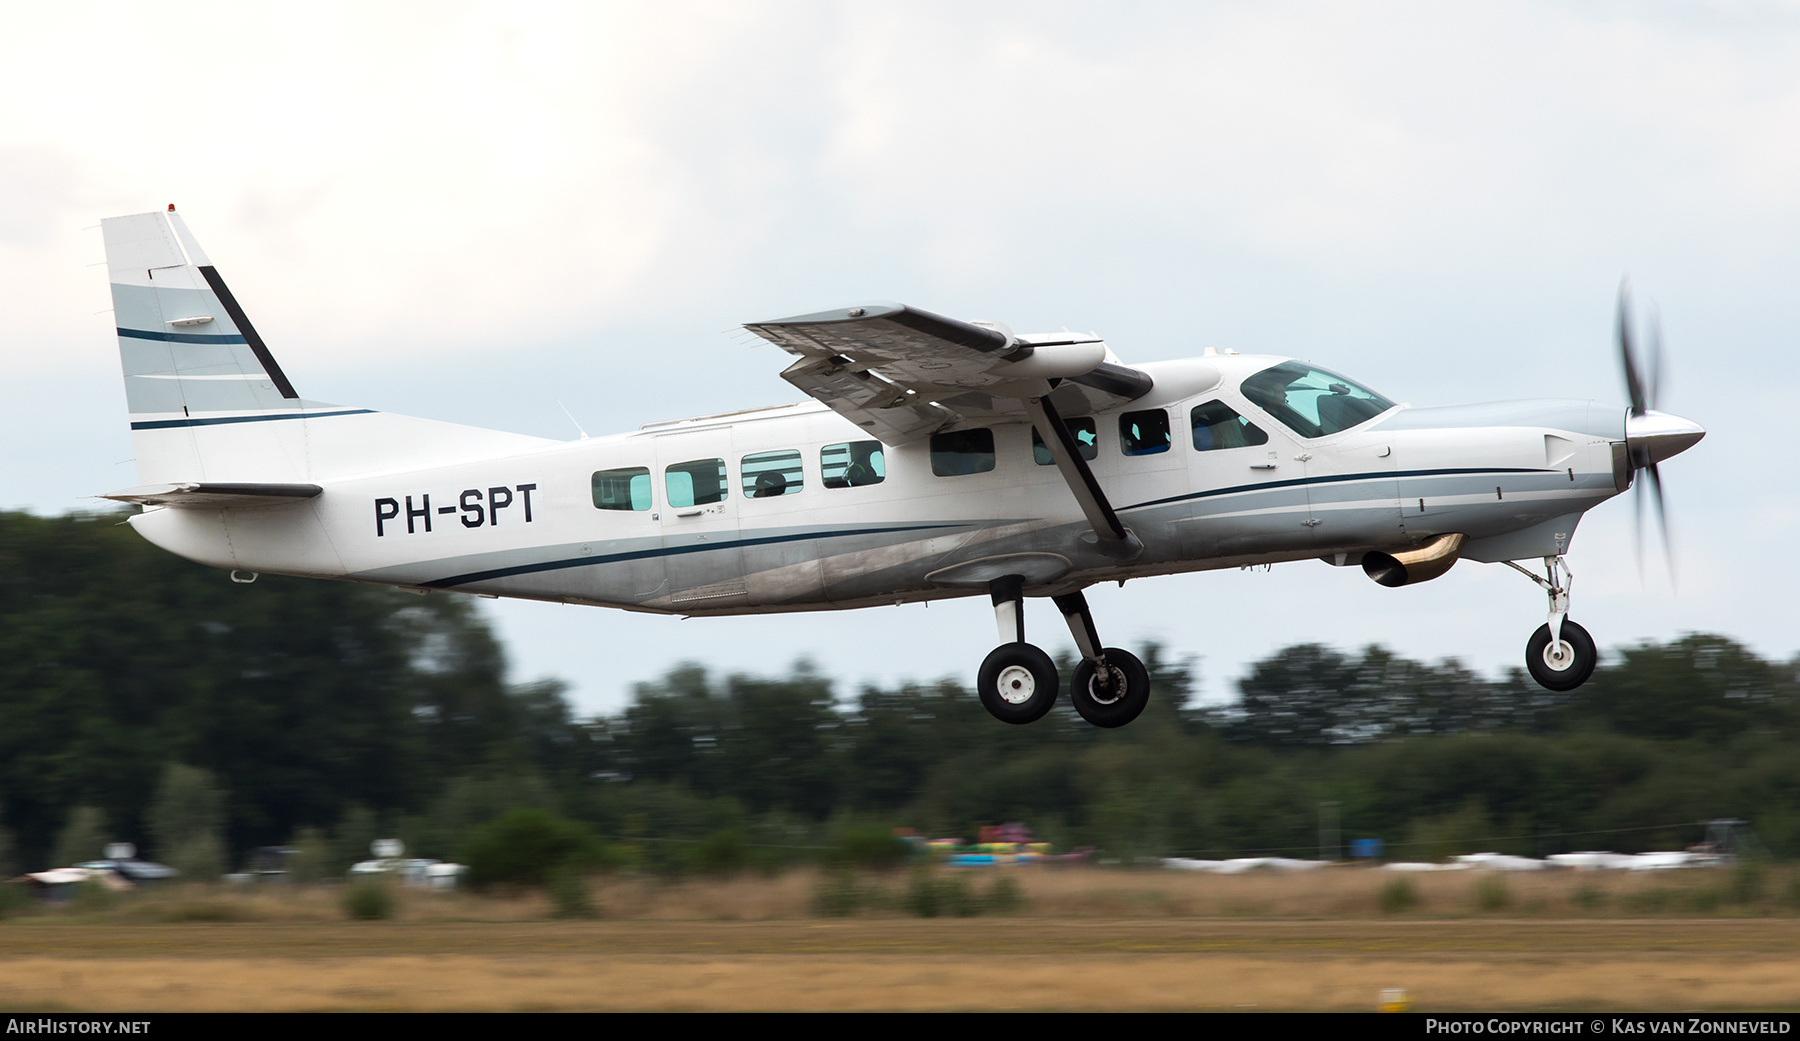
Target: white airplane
939	458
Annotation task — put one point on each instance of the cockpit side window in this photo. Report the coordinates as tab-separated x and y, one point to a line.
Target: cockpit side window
1311	401
1217	425
1144	433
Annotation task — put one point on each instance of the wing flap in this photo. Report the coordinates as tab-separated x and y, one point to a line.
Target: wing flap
902	373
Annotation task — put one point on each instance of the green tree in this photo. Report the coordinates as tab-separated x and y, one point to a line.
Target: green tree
527	847
83	838
187	821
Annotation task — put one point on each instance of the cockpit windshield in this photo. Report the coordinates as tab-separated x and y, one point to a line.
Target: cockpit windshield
1313	402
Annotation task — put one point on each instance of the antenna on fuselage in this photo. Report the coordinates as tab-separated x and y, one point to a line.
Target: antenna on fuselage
571	416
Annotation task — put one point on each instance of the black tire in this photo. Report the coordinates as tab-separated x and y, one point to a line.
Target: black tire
1570	673
1111	708
1018	683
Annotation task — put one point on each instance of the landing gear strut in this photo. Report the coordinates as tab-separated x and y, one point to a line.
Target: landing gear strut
1018	682
1560	655
1110	686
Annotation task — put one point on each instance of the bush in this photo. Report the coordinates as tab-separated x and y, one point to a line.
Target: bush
14	897
1399	895
1005	896
92	896
369	900
1747	882
312	853
569	894
932	895
873	846
840	894
1491	894
724	852
1589	897
525	847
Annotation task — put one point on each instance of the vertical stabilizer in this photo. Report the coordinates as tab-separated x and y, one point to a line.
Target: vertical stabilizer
209	402
193	361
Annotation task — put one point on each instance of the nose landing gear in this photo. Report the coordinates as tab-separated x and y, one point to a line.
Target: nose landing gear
1561	655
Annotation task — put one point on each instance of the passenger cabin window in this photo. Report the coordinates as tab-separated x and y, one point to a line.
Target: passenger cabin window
852	464
1087	441
769	475
1313	402
1217	425
962	452
625	489
1144	433
697	483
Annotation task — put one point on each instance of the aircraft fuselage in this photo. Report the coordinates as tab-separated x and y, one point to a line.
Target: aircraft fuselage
1512	477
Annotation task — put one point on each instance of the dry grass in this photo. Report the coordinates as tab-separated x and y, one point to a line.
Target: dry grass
909	982
1491	964
1084	939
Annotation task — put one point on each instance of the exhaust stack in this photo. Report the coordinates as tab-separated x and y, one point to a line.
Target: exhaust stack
1411	566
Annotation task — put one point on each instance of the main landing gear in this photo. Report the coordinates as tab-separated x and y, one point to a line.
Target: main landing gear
1018	682
1560	655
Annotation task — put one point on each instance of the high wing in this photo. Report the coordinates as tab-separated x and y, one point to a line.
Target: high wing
902	373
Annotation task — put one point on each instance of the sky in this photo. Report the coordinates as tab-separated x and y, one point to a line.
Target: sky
473	212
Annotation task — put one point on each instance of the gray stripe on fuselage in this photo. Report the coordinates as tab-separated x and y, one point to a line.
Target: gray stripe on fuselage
1330	479
1587	417
509	563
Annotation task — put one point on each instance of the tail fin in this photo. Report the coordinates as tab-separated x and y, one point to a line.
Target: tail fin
209	402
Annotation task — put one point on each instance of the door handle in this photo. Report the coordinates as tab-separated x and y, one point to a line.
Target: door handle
695	512
1262	466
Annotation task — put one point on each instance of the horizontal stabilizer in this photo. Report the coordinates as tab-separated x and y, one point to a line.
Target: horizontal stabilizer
216	496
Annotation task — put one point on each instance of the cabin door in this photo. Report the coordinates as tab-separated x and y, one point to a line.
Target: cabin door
699	518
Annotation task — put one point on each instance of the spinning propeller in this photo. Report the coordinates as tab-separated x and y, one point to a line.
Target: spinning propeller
1650	436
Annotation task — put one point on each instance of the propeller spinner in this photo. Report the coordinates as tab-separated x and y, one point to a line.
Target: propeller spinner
1650	436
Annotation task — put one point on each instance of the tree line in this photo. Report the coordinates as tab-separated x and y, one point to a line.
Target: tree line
144	698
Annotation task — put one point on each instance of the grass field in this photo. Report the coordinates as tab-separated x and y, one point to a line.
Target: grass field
1083	939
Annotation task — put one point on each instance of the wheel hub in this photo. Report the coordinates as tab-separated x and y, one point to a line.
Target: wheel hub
1016	685
1559	655
1110	693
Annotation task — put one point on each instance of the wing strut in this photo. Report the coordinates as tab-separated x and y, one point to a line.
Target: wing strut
1111	537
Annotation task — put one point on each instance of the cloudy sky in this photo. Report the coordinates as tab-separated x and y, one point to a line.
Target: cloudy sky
468	212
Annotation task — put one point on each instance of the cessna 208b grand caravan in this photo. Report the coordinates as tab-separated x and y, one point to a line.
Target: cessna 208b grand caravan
938	458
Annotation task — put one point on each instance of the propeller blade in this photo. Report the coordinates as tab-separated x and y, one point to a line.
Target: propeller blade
1661	436
1637	524
1655	388
1634	385
1662	520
